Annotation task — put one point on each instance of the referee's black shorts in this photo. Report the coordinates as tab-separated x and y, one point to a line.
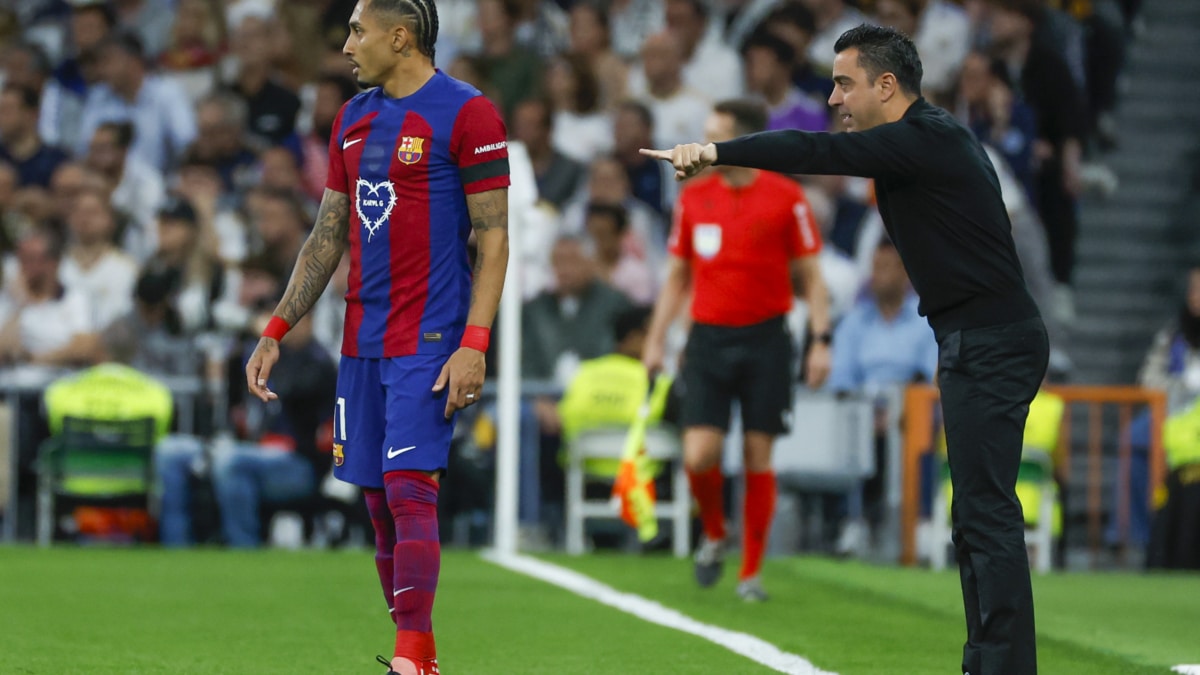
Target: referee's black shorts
752	364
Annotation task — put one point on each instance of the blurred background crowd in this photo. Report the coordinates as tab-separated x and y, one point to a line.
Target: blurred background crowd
161	160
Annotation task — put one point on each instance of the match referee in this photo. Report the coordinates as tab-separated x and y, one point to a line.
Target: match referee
940	201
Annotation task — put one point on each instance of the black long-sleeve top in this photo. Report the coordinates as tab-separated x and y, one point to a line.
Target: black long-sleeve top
940	201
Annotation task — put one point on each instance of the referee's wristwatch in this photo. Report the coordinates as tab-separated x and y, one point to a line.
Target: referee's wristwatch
825	338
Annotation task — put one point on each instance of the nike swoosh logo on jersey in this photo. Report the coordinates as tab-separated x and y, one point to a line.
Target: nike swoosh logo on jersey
347	143
392	454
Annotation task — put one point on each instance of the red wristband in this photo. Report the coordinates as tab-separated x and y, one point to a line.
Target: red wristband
477	338
276	328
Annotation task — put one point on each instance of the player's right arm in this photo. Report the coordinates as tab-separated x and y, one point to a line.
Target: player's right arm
318	259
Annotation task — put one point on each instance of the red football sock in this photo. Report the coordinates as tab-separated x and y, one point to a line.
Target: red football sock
759	509
708	489
385	542
412	498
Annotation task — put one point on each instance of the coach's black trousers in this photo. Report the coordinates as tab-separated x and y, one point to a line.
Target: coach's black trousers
987	378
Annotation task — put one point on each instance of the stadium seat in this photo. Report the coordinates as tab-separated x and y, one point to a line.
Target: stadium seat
662	444
91	462
1036	471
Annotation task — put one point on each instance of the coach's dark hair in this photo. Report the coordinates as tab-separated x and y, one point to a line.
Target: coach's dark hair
422	14
884	50
749	117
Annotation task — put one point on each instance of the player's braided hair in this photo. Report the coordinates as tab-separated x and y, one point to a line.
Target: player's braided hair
422	14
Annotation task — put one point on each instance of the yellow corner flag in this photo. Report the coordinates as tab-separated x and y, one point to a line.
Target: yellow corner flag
634	487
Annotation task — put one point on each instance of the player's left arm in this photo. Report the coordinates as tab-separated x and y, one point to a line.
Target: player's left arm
463	374
808	281
489	219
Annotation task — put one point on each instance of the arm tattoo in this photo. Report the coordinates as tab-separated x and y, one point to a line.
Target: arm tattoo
489	218
319	258
489	210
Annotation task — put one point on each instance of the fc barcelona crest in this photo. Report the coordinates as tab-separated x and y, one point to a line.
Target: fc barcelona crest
410	149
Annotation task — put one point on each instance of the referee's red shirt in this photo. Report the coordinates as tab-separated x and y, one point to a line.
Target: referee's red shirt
740	243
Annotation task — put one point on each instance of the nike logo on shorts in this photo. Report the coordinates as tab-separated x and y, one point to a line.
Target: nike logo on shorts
392	454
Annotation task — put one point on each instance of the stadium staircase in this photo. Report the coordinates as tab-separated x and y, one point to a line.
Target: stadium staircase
1135	245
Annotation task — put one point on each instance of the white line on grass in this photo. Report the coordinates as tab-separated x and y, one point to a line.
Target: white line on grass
1186	670
749	646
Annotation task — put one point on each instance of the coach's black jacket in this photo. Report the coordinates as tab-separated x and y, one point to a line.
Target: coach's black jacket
940	202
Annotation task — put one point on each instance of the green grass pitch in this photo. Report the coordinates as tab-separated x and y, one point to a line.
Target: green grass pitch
131	611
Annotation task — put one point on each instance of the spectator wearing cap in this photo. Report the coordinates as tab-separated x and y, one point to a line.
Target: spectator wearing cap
186	252
94	266
139	189
159	109
20	143
768	61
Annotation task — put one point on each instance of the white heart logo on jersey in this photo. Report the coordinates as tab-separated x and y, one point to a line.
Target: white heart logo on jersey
374	203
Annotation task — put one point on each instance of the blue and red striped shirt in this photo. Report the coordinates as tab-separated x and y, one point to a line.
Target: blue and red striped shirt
408	165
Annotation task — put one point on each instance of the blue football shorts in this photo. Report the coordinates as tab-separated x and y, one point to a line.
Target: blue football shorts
386	418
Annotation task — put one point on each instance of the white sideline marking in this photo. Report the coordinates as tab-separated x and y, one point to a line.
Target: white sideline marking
749	646
1186	670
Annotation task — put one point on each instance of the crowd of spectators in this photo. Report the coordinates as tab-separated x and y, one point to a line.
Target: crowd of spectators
160	160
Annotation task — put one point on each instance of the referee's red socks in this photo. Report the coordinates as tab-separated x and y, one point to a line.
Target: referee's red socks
412	499
708	488
759	508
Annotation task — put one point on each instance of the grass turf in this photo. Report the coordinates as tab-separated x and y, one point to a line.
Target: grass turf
150	611
861	619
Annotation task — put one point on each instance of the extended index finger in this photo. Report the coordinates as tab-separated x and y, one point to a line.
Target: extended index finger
656	154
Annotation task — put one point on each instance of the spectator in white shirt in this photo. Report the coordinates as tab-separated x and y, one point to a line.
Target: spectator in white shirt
41	322
709	65
582	130
93	265
679	111
162	116
139	190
